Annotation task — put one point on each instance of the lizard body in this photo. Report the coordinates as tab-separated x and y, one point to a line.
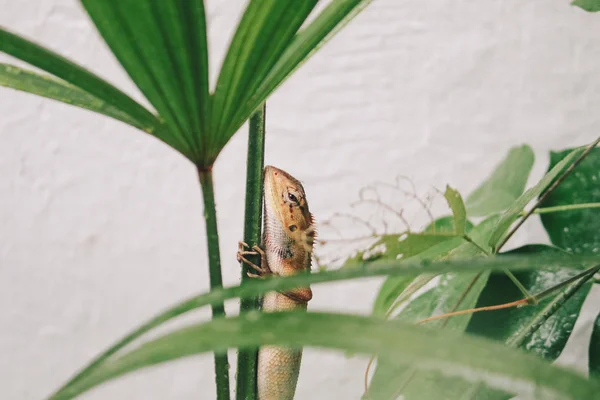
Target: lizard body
288	235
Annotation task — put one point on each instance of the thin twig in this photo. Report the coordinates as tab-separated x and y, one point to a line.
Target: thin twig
521	302
385	207
356	219
470	240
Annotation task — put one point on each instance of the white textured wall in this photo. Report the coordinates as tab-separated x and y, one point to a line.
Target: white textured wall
101	227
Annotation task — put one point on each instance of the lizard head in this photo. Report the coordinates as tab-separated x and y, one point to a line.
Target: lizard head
285	198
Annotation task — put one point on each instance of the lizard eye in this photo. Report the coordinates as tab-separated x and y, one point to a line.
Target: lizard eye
292	198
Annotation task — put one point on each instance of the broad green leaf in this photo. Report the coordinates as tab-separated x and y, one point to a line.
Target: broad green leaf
588	5
577	231
391	288
78	76
404	247
162	46
459	212
305	43
397	289
376	268
594	350
52	88
504	186
455	291
265	31
424	349
503	325
511	215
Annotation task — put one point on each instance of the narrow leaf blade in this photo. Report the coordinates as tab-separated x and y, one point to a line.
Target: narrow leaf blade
263	34
577	231
305	43
457	206
46	86
424	349
376	268
504	185
154	44
587	5
515	209
76	75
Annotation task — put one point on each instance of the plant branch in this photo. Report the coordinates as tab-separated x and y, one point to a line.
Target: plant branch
530	299
216	280
543	197
568	207
247	359
474	243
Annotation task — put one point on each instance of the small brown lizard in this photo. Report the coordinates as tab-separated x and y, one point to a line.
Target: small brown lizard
288	236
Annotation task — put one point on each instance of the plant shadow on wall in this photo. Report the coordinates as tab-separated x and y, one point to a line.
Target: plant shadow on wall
457	353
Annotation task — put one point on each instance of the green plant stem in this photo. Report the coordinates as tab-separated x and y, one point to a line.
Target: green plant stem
216	281
470	240
247	359
530	299
568	207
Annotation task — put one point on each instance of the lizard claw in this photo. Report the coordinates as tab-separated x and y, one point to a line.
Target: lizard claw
257	251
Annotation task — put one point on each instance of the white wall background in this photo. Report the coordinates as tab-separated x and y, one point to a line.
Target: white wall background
101	226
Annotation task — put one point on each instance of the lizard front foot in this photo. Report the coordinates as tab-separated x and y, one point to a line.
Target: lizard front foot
256	250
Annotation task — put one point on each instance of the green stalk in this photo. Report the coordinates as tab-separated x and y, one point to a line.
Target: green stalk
247	359
568	207
214	266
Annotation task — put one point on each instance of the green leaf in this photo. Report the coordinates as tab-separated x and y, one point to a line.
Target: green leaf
504	186
549	341
397	289
162	46
424	349
594	350
404	247
78	76
515	209
52	88
504	325
457	206
455	291
266	29
376	268
588	5
445	225
576	231
305	43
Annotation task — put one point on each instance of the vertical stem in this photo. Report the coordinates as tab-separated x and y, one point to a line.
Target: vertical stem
247	359
216	281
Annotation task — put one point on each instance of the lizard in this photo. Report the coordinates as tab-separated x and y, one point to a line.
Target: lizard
287	242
